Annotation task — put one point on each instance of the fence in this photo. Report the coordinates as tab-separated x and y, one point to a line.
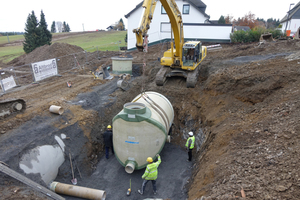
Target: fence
75	63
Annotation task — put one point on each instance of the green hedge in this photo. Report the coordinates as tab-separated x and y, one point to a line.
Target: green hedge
253	35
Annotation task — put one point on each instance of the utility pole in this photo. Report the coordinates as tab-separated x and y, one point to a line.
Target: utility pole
7	37
287	20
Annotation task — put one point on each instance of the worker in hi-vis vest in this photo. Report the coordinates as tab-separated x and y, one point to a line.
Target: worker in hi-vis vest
190	143
150	174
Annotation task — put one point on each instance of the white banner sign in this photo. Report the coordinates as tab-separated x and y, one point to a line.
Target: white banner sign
44	69
8	83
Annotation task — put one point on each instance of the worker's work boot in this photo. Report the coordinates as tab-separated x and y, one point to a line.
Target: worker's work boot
154	192
139	191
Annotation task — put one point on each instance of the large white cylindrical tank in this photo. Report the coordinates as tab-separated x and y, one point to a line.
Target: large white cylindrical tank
141	129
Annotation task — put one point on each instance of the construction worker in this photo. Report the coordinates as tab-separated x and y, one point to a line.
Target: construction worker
108	142
190	143
150	174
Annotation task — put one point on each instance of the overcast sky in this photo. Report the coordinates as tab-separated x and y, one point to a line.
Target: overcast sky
92	14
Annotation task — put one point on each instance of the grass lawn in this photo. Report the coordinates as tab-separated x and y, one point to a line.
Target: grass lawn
103	40
89	41
11	38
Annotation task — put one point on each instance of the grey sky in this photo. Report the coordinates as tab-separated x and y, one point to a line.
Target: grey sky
102	13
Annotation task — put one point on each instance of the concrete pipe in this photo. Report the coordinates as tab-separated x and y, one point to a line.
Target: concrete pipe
77	191
56	109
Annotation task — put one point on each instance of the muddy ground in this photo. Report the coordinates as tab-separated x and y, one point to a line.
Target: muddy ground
244	112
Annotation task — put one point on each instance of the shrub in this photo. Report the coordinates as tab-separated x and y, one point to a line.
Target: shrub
253	35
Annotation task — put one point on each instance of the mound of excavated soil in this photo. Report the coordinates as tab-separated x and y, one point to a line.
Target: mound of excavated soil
46	52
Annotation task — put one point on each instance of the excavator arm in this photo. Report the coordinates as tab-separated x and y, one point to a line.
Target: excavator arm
176	24
141	32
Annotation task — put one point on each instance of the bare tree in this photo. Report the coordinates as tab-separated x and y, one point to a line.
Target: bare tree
59	26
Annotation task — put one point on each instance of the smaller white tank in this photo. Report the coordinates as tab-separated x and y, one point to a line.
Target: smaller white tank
141	129
122	64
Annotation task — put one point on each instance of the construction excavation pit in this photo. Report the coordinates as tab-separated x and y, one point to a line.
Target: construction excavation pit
243	113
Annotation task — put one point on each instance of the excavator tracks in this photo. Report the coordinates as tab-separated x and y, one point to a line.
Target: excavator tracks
164	72
11	107
192	78
161	75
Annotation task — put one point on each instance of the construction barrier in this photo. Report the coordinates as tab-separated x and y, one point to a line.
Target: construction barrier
26	74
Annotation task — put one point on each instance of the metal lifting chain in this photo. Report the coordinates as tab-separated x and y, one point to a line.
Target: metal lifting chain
145	50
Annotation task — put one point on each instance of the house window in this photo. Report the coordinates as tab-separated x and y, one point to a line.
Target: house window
165	27
163	11
186	9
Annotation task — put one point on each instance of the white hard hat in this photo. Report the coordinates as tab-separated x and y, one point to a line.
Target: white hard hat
191	133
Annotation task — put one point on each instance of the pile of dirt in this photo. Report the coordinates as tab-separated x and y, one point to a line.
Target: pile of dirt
46	52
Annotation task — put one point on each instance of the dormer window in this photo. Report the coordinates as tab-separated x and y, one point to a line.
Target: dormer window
186	9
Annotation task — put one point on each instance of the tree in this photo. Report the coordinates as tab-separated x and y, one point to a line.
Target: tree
119	25
228	19
59	26
45	35
53	27
122	24
248	20
221	20
36	33
66	27
31	34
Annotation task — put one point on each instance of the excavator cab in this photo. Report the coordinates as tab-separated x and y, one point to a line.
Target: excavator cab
191	55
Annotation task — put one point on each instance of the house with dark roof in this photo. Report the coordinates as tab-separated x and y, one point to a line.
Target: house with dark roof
291	20
196	24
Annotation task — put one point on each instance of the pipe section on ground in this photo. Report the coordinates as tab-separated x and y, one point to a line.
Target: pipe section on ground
77	191
56	109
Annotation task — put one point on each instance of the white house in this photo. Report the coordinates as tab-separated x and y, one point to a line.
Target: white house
196	24
292	19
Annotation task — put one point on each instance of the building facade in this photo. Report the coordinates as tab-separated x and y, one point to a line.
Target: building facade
196	24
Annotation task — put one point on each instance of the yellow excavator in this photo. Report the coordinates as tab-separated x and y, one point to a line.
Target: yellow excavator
184	58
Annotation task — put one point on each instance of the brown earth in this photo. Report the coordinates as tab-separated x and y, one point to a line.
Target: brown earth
246	105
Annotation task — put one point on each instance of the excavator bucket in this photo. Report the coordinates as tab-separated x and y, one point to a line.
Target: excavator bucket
266	37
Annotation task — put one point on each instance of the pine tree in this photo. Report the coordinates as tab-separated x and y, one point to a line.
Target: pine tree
68	28
221	20
31	34
64	29
36	34
45	35
53	27
123	25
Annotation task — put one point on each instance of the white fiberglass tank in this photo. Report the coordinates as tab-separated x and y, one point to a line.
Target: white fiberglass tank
141	129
